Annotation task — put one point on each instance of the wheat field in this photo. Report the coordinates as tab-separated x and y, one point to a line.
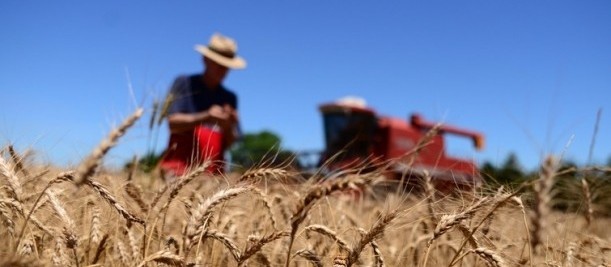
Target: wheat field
90	216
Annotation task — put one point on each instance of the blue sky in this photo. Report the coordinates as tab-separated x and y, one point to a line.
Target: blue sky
530	75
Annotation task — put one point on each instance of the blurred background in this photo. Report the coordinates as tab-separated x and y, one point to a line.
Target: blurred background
530	75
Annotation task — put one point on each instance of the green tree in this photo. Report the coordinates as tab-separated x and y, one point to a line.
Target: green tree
509	173
260	149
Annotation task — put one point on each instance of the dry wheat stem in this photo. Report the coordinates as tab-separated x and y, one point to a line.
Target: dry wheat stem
88	167
585	188
154	113
167	102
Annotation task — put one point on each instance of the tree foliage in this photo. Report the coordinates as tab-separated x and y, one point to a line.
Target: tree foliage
260	149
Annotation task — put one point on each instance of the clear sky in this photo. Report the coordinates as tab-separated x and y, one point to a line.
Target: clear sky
530	75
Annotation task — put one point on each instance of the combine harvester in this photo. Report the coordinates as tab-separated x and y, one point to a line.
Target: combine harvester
357	137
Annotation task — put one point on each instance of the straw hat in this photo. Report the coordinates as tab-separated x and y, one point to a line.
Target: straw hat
222	50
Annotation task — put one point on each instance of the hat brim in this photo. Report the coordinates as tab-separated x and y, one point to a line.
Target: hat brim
232	63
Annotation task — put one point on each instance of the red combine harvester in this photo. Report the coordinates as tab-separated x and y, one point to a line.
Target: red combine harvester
356	136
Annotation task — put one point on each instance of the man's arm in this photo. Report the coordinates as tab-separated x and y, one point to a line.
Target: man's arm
180	122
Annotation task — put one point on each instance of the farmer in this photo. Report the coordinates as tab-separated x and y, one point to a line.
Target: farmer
203	117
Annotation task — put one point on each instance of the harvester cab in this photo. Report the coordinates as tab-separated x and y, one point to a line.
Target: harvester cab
356	137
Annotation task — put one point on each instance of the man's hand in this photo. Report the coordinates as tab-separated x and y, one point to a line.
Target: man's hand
218	114
225	116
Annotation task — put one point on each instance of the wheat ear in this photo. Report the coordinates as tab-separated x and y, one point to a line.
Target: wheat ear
18	160
180	183
317	192
103	192
375	231
377	254
135	194
325	231
225	240
13	180
542	188
198	221
262	172
64	176
498	201
447	222
490	257
176	187
310	256
167	103
164	257
256	243
268	206
101	247
69	233
88	167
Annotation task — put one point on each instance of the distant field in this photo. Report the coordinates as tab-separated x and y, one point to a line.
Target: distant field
273	217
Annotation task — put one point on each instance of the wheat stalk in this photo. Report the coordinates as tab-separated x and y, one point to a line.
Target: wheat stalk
167	103
88	167
585	189
135	194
